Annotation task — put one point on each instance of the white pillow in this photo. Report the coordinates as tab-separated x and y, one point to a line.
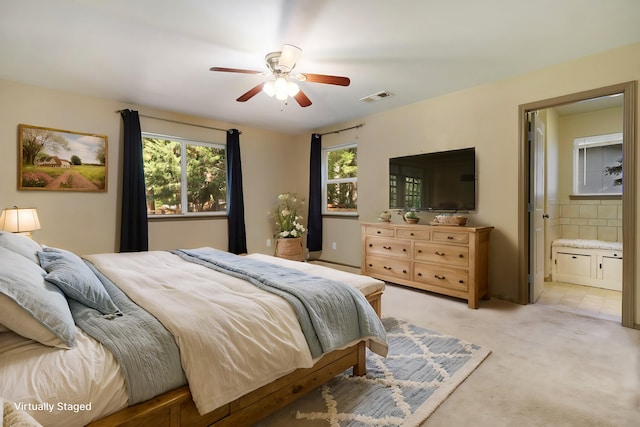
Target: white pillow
22	323
21	245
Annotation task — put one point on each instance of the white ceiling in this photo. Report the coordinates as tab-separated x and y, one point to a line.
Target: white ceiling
158	53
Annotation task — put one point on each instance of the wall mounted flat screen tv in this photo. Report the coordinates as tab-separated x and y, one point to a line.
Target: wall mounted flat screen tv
444	181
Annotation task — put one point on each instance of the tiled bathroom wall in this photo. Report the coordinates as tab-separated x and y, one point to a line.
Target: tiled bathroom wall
594	219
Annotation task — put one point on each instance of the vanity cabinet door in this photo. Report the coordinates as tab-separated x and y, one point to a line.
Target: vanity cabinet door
574	264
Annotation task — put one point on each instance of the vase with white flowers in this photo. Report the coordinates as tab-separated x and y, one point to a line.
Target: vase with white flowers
288	226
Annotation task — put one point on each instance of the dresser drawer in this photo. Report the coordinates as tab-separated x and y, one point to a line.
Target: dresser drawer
388	247
389	267
413	234
444	277
452	237
372	230
442	254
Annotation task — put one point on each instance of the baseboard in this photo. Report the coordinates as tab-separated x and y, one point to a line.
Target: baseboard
337	263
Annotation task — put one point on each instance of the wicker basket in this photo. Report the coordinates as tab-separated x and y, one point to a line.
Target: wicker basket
451	219
290	248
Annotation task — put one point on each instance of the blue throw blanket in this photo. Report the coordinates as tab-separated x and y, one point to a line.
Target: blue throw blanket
146	351
331	314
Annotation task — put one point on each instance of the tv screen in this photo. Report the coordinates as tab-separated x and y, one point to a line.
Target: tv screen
442	181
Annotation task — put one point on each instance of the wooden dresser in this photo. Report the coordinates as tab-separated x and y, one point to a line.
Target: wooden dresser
449	260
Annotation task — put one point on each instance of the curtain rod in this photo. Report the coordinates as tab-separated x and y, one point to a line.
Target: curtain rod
183	123
342	130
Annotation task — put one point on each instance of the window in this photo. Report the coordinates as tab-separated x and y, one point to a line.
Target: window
597	165
340	176
184	177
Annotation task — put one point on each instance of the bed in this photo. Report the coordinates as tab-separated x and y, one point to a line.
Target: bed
184	337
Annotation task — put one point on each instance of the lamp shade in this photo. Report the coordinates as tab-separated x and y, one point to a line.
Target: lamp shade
19	220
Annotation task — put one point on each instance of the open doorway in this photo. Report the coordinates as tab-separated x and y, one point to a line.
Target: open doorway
540	223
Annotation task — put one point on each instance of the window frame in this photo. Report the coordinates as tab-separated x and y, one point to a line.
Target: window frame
587	142
326	181
183	175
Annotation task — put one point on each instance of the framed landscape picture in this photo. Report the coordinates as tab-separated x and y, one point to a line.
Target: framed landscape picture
61	160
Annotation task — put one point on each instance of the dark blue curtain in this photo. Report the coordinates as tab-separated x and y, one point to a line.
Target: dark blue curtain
314	224
237	231
134	230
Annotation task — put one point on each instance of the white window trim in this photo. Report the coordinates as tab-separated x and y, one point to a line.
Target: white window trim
326	181
183	176
592	141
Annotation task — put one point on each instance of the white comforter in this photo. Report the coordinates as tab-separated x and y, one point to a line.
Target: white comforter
62	388
223	325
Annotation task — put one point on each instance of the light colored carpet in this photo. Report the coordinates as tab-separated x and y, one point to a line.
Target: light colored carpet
547	367
422	369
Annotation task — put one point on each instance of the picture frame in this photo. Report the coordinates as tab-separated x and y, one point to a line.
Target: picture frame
61	160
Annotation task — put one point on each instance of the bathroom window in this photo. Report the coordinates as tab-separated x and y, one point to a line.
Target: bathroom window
597	165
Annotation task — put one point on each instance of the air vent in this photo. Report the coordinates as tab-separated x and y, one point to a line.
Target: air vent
377	96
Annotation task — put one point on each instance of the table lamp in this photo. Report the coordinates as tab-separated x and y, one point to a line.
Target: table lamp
19	220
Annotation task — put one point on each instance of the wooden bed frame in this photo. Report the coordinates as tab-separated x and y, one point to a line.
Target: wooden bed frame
176	408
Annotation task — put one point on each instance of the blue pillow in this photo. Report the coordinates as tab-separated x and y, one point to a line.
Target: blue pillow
68	271
19	244
22	281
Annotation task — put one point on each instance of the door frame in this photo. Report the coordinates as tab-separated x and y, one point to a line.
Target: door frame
629	199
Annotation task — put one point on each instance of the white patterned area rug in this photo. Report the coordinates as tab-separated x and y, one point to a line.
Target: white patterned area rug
422	369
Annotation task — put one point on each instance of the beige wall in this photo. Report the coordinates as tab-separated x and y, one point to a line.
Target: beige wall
485	117
88	222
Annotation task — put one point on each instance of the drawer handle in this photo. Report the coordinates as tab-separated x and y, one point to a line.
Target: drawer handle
370	245
404	271
387	248
439	253
461	256
460	281
386	268
419	274
404	249
439	277
378	231
411	234
574	257
450	237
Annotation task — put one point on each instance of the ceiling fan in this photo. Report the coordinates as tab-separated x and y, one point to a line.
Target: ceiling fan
280	65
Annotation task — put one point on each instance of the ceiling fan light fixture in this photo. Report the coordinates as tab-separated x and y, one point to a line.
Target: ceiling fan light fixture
292	89
280	65
281	88
269	88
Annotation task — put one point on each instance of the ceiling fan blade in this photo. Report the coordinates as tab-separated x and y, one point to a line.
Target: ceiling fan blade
250	93
302	99
288	57
322	78
234	70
